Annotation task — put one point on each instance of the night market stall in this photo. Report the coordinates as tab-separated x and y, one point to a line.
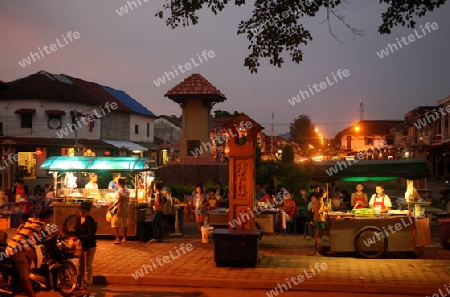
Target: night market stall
369	232
71	173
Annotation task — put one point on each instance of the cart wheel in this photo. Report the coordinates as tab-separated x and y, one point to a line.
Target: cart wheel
370	242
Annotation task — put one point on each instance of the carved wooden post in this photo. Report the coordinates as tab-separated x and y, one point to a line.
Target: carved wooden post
242	132
241	243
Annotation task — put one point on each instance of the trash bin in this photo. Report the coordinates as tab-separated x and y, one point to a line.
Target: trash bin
207	234
444	232
145	231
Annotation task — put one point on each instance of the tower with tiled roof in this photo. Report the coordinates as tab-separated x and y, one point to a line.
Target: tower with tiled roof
196	97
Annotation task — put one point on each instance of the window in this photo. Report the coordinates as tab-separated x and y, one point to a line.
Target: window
1	128
54	121
26	120
136	129
148	129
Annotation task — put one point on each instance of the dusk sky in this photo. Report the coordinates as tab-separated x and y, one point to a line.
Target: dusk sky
129	52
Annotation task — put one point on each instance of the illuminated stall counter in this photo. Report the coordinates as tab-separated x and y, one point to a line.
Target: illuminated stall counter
67	200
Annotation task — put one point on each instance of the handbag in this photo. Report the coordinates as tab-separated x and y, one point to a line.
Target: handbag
113	209
75	247
108	216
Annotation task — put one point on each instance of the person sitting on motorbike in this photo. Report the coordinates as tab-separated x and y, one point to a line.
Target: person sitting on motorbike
24	217
22	247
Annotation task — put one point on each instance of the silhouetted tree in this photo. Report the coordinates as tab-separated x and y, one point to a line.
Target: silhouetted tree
276	25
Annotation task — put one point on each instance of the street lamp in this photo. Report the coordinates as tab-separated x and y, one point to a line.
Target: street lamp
356	137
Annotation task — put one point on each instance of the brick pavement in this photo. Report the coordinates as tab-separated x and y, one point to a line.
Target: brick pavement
282	257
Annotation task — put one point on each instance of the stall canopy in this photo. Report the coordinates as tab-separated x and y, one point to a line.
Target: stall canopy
374	170
131	146
98	163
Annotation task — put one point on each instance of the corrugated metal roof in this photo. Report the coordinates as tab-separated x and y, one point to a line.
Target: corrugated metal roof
128	101
126	144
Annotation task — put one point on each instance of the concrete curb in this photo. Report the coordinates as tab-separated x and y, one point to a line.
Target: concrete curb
232	283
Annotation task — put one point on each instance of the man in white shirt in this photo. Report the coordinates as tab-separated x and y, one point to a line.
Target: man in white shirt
380	201
92	186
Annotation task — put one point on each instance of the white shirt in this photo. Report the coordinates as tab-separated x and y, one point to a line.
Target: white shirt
92	187
387	200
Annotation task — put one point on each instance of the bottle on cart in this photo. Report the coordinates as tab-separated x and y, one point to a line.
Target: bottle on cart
206	222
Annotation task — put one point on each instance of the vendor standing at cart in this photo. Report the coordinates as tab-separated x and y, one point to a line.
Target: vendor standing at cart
91	186
112	186
359	197
380	201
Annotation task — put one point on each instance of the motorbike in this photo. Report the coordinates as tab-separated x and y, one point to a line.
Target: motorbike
56	272
445	197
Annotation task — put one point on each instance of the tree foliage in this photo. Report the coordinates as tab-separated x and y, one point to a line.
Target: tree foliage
223	113
302	132
276	26
287	155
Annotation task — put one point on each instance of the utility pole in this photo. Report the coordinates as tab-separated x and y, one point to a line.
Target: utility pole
361	110
271	136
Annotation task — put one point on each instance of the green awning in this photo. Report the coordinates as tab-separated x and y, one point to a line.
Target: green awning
365	170
98	163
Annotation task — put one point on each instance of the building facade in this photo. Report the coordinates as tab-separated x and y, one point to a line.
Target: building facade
47	114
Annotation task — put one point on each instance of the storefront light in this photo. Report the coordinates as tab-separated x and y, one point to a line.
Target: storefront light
38	152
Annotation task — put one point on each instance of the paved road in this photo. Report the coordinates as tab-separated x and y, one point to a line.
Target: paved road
156	291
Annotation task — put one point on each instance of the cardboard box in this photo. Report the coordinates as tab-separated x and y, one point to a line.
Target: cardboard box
5	223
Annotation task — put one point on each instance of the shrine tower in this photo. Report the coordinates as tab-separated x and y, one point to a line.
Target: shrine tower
196	97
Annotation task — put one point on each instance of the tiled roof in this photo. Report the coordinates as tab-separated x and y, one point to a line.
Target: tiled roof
194	86
67	89
44	85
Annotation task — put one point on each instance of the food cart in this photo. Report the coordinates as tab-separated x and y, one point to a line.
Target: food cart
368	233
69	192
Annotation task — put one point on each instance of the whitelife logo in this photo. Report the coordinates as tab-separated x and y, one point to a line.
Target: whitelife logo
432	116
9	161
30	241
280	288
411	38
219	139
87	119
323	85
53	47
124	9
161	261
187	67
359	156
441	294
384	234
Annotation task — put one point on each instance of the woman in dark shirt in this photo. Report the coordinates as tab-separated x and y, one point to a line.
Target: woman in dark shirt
85	229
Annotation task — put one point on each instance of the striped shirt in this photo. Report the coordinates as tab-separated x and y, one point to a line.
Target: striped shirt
33	232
